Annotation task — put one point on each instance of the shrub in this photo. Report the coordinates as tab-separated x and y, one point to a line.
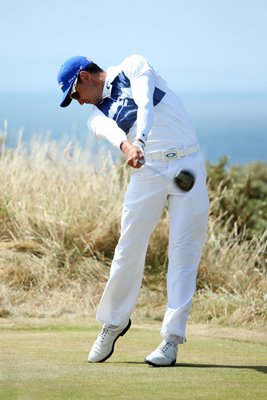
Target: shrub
60	221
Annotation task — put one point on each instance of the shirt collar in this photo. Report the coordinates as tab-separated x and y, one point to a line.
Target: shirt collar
111	74
106	89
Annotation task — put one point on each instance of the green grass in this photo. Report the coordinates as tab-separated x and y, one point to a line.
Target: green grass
50	363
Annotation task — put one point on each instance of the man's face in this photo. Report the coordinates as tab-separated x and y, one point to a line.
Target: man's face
88	89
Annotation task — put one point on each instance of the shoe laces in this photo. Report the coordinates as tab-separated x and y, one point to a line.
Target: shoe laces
165	347
103	334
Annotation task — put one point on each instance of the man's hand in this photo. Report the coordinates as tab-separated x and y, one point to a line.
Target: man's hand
132	154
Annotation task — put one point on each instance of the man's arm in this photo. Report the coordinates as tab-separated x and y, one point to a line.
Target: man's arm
142	89
106	127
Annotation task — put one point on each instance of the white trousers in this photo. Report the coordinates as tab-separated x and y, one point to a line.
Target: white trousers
144	201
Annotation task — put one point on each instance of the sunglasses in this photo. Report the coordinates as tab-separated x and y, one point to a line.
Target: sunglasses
74	95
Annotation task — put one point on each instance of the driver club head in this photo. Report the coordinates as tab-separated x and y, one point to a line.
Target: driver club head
185	180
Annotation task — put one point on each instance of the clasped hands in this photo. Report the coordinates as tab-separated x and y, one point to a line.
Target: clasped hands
133	153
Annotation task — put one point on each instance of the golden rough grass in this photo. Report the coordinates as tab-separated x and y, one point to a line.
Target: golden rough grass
59	224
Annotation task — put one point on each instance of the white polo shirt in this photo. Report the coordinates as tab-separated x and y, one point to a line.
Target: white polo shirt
138	103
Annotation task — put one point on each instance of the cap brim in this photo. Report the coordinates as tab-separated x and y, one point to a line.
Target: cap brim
66	98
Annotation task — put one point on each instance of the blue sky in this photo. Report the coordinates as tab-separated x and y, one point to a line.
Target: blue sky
197	45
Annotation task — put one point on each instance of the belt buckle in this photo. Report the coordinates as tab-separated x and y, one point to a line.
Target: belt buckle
170	155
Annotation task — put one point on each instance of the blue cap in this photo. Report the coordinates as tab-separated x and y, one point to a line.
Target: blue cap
69	71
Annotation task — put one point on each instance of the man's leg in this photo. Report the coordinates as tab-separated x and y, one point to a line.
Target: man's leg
141	213
143	205
188	213
187	237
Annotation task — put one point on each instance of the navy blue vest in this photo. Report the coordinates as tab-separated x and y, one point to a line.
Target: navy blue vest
121	106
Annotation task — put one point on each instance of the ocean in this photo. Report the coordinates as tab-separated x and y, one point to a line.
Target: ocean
227	124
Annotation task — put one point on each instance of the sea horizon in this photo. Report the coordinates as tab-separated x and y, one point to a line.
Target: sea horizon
228	124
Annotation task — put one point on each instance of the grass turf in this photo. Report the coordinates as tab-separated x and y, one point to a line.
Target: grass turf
50	363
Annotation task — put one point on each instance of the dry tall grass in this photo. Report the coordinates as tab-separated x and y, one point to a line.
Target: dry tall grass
59	224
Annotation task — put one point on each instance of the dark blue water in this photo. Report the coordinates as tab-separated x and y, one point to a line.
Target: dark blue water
227	124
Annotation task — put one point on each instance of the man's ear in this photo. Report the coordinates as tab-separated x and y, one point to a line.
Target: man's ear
84	76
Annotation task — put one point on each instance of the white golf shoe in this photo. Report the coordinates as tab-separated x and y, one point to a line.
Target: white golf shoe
103	347
164	355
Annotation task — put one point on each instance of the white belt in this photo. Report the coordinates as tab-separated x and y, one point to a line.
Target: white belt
172	154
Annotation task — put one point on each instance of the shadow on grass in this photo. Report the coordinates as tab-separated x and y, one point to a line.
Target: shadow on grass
258	368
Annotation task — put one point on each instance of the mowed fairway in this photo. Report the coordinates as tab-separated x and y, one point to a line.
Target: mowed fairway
50	363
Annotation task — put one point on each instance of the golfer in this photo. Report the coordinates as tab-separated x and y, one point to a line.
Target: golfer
136	110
